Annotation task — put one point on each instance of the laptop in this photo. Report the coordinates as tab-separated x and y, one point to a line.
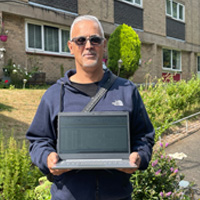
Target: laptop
93	140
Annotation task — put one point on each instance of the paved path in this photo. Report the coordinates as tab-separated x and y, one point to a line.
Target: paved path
189	166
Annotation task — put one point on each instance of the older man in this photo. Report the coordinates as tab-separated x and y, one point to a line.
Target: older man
88	44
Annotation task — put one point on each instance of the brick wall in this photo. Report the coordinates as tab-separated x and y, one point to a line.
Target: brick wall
154	17
192	16
102	9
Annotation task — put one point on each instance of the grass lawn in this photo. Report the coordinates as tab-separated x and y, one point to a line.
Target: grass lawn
17	109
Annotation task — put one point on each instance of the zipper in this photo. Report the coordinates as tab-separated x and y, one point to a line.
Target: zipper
97	189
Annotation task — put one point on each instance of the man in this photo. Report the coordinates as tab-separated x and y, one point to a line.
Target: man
88	44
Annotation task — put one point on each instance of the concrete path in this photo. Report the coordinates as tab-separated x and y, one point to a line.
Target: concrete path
189	166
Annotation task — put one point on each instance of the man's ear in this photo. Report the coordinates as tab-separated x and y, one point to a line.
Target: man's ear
69	43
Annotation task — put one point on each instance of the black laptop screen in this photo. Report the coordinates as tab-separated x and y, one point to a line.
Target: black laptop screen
93	134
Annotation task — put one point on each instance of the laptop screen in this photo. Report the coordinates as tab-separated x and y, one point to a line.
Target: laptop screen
93	133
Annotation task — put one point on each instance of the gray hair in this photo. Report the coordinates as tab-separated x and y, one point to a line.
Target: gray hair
86	17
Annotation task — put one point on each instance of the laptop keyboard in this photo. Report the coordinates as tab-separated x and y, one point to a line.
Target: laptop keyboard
96	163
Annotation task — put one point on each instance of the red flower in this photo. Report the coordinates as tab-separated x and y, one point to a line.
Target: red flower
6	81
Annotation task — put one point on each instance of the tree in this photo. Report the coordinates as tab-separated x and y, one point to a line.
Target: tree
124	44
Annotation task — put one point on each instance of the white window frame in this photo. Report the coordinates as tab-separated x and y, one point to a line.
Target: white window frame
171	60
133	3
171	8
42	50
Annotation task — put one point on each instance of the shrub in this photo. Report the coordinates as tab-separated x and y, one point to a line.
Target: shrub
160	180
42	192
168	102
18	74
18	177
124	44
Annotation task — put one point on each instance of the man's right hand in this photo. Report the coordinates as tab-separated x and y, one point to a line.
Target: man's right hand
52	159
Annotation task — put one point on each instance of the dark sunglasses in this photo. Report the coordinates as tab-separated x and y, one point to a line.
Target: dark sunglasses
94	40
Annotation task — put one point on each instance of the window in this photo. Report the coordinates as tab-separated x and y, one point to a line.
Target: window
133	2
46	39
175	10
171	59
198	64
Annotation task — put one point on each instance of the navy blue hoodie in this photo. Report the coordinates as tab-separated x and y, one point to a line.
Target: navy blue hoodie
85	184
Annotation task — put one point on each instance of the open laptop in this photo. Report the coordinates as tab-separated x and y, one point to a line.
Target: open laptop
93	140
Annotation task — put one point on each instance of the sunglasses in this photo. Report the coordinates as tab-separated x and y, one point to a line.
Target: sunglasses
94	40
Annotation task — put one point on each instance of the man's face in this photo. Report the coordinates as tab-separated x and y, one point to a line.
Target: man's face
87	55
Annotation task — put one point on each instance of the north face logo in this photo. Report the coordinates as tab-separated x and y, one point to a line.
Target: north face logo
117	103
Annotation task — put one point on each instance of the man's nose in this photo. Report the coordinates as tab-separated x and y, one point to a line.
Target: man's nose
88	44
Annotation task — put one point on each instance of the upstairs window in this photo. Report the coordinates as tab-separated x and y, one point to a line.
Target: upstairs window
171	60
41	38
133	2
175	10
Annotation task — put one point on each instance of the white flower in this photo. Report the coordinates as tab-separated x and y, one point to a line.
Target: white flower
14	71
14	65
2	49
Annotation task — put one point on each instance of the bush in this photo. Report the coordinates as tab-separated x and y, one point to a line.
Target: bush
42	192
168	102
18	177
124	44
160	180
17	74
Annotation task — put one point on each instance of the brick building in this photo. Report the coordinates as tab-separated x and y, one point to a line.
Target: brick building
38	31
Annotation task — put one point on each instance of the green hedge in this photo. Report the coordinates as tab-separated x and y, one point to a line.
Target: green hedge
168	102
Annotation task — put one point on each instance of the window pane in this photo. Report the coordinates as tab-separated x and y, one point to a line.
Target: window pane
175	10
181	12
51	39
166	58
176	60
138	2
168	7
65	38
129	0
34	36
198	63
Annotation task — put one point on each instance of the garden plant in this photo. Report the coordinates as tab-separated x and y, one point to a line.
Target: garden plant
160	180
16	75
18	177
124	44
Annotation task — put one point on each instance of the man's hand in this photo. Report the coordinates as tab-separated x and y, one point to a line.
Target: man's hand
134	158
52	159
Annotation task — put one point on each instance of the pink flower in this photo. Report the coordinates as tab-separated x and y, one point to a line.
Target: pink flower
161	194
161	144
6	81
172	169
167	144
176	170
168	194
158	172
154	163
162	156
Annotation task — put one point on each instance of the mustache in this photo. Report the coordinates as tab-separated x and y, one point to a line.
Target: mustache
89	52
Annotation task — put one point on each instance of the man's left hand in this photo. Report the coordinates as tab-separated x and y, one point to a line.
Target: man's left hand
134	158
